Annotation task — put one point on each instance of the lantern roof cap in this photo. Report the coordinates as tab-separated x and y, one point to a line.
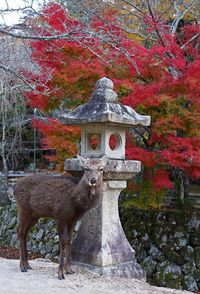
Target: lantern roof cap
103	108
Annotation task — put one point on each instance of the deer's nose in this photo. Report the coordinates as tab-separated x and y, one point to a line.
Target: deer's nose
93	181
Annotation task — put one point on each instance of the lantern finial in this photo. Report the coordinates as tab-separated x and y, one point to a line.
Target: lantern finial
104	91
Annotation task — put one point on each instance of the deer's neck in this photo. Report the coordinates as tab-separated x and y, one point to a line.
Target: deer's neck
86	196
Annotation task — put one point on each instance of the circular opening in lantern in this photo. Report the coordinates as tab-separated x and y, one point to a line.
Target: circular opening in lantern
115	141
94	141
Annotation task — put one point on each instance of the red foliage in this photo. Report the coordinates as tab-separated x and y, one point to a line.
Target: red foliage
58	137
162	81
146	157
160	180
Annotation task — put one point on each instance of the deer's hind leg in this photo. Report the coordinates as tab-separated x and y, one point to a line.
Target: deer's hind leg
62	233
26	221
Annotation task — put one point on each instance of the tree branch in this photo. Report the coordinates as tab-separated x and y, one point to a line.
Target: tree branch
190	40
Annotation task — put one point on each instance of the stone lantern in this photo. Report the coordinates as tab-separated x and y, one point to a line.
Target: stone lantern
100	245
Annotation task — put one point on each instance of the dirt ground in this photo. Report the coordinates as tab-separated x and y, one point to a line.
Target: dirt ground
13	253
43	280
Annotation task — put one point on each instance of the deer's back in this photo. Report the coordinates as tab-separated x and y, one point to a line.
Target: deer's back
45	195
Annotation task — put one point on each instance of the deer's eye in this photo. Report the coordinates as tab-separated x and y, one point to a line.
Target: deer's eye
86	169
101	168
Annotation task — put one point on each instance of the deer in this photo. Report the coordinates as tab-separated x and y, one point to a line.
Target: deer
65	199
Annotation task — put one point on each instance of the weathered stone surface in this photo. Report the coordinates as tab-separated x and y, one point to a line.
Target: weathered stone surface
37	238
172	237
179	240
114	170
129	269
169	274
149	265
160	236
101	241
189	283
13	241
156	254
145	241
187	253
39	235
12	223
49	246
103	108
197	256
194	222
188	268
4	200
141	253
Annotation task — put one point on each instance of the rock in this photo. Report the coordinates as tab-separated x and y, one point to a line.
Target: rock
34	248
194	222
145	241
188	268
197	256
48	256
47	236
49	246
156	254
4	200
187	253
168	275
135	233
161	217
13	241
140	254
149	265
39	235
160	237
189	283
8	236
179	240
41	248
196	275
172	255
135	243
56	239
29	245
3	229
55	249
12	223
6	217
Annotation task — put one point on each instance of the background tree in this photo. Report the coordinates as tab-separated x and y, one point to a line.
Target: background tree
141	75
163	49
14	116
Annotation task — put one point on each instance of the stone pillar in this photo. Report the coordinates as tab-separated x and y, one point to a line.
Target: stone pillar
101	245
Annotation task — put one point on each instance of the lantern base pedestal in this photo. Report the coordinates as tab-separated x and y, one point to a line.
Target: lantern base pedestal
130	270
101	245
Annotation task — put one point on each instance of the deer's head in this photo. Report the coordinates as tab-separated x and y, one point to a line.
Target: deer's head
94	169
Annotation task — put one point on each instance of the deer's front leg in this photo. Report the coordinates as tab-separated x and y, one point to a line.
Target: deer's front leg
68	250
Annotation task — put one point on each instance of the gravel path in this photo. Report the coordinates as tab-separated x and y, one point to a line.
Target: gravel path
43	280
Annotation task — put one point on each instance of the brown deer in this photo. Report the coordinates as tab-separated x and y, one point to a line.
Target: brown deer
65	199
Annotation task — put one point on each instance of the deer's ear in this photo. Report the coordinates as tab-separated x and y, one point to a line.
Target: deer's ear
82	160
